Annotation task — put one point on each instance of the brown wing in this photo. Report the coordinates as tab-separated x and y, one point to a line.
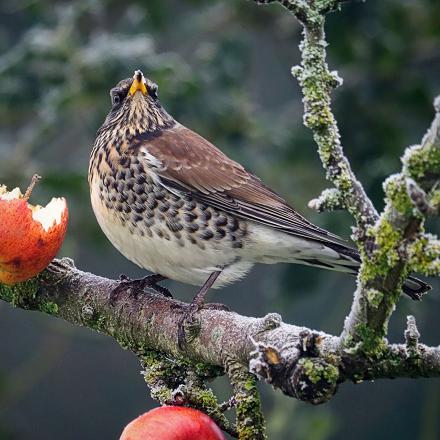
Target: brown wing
191	164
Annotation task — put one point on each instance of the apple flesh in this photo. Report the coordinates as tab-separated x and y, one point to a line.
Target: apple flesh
30	236
172	423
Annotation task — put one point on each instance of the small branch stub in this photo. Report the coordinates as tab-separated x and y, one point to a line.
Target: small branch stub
420	199
314	380
331	199
412	336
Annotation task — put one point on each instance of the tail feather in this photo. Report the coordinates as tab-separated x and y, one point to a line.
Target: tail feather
413	287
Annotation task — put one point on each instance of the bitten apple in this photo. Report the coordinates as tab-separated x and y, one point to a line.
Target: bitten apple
172	423
30	236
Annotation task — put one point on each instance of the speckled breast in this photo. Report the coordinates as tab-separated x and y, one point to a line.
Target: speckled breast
155	228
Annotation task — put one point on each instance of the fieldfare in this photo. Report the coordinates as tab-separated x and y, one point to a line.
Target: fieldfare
173	203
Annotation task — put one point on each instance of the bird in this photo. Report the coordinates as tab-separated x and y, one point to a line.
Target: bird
174	204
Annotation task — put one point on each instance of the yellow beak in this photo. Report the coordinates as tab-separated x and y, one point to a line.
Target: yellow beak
138	84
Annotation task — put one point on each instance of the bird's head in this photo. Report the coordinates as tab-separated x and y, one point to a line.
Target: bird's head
135	105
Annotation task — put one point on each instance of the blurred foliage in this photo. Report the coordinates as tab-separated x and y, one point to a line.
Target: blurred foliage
223	70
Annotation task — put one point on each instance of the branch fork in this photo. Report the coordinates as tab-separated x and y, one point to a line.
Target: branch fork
303	363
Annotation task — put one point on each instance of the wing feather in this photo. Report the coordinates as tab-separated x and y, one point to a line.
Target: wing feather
192	165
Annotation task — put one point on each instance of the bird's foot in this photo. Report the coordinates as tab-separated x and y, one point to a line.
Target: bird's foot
188	318
188	312
138	286
197	304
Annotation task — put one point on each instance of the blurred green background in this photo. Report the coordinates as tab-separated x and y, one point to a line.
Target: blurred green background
223	70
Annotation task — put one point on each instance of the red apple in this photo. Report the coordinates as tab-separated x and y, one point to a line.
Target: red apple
172	423
30	236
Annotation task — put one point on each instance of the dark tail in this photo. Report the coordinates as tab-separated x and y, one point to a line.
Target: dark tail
413	287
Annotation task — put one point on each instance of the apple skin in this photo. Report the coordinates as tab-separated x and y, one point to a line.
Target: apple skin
172	423
26	247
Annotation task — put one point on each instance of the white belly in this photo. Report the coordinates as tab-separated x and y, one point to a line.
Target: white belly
175	259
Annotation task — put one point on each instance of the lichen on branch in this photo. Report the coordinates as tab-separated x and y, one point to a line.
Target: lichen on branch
393	243
399	243
304	364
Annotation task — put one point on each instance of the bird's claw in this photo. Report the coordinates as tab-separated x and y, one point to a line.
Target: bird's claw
138	286
187	317
188	312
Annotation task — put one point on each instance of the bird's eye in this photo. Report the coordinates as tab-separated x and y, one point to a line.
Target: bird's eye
116	99
152	90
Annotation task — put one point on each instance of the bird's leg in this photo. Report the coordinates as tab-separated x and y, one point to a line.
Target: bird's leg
196	304
139	285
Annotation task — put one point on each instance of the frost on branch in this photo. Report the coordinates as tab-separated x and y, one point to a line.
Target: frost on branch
303	363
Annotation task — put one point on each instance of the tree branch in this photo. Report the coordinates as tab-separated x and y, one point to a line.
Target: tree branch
399	244
331	199
175	382
303	363
317	82
386	242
